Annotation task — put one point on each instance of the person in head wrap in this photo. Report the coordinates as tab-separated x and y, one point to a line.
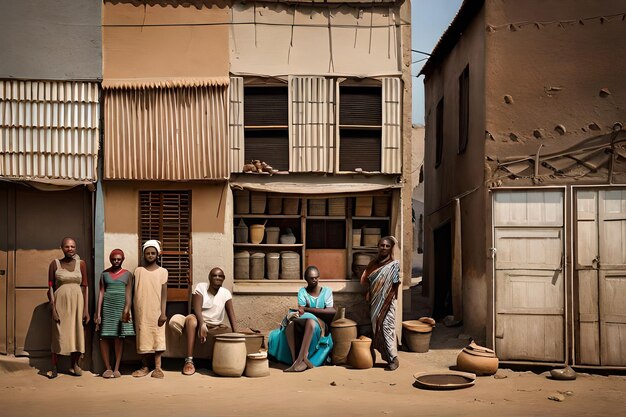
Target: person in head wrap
149	300
116	285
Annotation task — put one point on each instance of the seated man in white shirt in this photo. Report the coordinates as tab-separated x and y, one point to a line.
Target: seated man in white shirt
209	302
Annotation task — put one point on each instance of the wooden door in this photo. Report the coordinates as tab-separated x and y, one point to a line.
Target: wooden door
529	278
601	277
4	267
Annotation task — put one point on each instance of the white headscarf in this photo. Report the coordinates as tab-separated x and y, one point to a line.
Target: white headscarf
152	244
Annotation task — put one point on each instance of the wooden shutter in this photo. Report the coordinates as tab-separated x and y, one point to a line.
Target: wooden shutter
166	216
392	126
235	124
312	126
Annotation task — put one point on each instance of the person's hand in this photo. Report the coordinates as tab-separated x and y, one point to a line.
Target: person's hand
97	321
202	333
126	315
300	310
86	317
162	320
55	315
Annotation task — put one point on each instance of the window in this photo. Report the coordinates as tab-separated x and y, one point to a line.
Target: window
439	133
463	109
266	125
166	216
360	128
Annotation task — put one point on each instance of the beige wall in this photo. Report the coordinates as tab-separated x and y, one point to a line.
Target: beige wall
211	224
459	174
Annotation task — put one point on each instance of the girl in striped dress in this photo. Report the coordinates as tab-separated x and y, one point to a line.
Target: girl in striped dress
115	293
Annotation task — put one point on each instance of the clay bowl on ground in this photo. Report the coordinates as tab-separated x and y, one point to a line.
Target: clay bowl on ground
444	380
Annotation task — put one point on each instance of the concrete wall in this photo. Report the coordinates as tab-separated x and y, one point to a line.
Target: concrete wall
51	40
211	224
459	175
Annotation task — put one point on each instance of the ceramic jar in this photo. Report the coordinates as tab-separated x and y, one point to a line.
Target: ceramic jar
229	354
360	356
343	332
257	365
257	231
478	360
417	335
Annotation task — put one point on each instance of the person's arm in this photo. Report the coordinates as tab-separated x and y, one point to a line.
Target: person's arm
98	316
328	312
51	270
230	312
163	317
196	302
85	290
128	302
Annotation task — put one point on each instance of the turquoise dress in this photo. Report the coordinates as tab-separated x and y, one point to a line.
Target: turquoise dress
321	345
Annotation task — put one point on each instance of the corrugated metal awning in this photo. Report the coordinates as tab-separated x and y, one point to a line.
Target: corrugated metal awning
139	83
49	131
166	133
307	184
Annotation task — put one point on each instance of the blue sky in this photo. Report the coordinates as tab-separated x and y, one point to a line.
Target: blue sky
429	18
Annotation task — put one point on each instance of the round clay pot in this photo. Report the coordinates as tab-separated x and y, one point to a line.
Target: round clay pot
257	231
229	354
479	363
257	365
343	332
360	356
417	335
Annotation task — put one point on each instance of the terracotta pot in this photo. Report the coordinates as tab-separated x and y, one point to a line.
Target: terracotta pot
271	235
256	233
254	342
360	356
417	334
343	332
257	365
479	363
229	355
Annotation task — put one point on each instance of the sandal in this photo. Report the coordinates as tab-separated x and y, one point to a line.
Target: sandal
107	374
116	374
76	370
53	373
189	368
157	373
143	371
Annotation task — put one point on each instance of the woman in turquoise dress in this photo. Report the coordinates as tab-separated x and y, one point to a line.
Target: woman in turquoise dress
115	293
303	339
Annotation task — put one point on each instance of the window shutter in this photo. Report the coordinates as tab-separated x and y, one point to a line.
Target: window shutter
235	124
312	124
392	126
166	216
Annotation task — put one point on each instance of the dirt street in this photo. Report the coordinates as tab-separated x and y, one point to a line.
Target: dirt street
325	391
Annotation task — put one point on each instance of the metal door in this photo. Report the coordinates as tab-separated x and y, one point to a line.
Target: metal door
529	278
600	265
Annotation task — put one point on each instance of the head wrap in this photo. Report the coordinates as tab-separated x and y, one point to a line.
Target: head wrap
152	243
116	252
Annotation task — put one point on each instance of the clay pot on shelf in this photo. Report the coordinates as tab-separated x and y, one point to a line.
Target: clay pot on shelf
229	354
477	359
360	356
256	233
241	232
417	334
343	332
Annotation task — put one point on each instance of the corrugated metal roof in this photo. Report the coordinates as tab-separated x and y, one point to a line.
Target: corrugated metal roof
166	134
49	130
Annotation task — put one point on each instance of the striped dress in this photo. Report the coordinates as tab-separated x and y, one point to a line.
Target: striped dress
113	305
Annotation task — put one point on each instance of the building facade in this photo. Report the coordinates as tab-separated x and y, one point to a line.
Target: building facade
524	174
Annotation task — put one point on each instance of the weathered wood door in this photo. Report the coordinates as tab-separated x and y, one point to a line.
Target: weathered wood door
600	266
529	278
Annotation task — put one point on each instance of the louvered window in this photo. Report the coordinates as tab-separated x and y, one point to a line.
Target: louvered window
166	216
463	109
266	125
360	128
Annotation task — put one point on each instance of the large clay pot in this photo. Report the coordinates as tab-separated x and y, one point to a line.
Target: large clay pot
360	356
229	354
257	365
478	360
343	331
417	335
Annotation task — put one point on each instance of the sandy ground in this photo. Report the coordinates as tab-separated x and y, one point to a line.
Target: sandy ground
325	391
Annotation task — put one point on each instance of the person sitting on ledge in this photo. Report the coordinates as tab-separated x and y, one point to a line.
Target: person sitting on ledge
209	302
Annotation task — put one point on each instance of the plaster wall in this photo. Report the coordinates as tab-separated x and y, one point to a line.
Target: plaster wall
51	40
211	224
552	58
459	175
